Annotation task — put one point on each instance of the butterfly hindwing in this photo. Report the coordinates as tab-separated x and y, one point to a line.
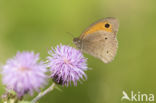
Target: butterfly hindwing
100	44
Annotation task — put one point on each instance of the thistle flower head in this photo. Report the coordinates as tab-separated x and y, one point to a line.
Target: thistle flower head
66	65
24	73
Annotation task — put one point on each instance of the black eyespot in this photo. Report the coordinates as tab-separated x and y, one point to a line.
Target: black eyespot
106	38
107	25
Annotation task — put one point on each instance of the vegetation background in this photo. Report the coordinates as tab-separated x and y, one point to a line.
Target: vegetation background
39	24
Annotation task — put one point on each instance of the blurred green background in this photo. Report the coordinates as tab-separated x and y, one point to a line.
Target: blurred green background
39	24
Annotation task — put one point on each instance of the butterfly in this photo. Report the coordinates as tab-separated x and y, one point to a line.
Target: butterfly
100	39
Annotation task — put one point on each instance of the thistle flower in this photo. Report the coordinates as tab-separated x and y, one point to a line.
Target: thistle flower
24	74
66	65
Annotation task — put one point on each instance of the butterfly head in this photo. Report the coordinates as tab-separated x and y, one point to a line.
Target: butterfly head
77	42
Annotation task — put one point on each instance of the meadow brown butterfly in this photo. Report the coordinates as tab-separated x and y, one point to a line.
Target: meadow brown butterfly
100	39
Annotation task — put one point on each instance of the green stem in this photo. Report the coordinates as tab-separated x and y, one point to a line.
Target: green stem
41	94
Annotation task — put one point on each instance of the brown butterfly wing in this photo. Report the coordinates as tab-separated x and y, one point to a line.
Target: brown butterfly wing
101	44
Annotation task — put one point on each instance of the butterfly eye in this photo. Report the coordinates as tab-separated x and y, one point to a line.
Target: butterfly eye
107	25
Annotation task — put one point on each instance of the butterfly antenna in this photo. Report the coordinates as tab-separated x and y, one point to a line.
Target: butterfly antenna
70	34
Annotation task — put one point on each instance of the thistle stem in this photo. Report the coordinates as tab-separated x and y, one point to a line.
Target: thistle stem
41	94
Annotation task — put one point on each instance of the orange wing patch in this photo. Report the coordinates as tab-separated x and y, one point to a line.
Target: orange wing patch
97	27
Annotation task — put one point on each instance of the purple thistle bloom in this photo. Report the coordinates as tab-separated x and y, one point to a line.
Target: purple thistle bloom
24	74
67	65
